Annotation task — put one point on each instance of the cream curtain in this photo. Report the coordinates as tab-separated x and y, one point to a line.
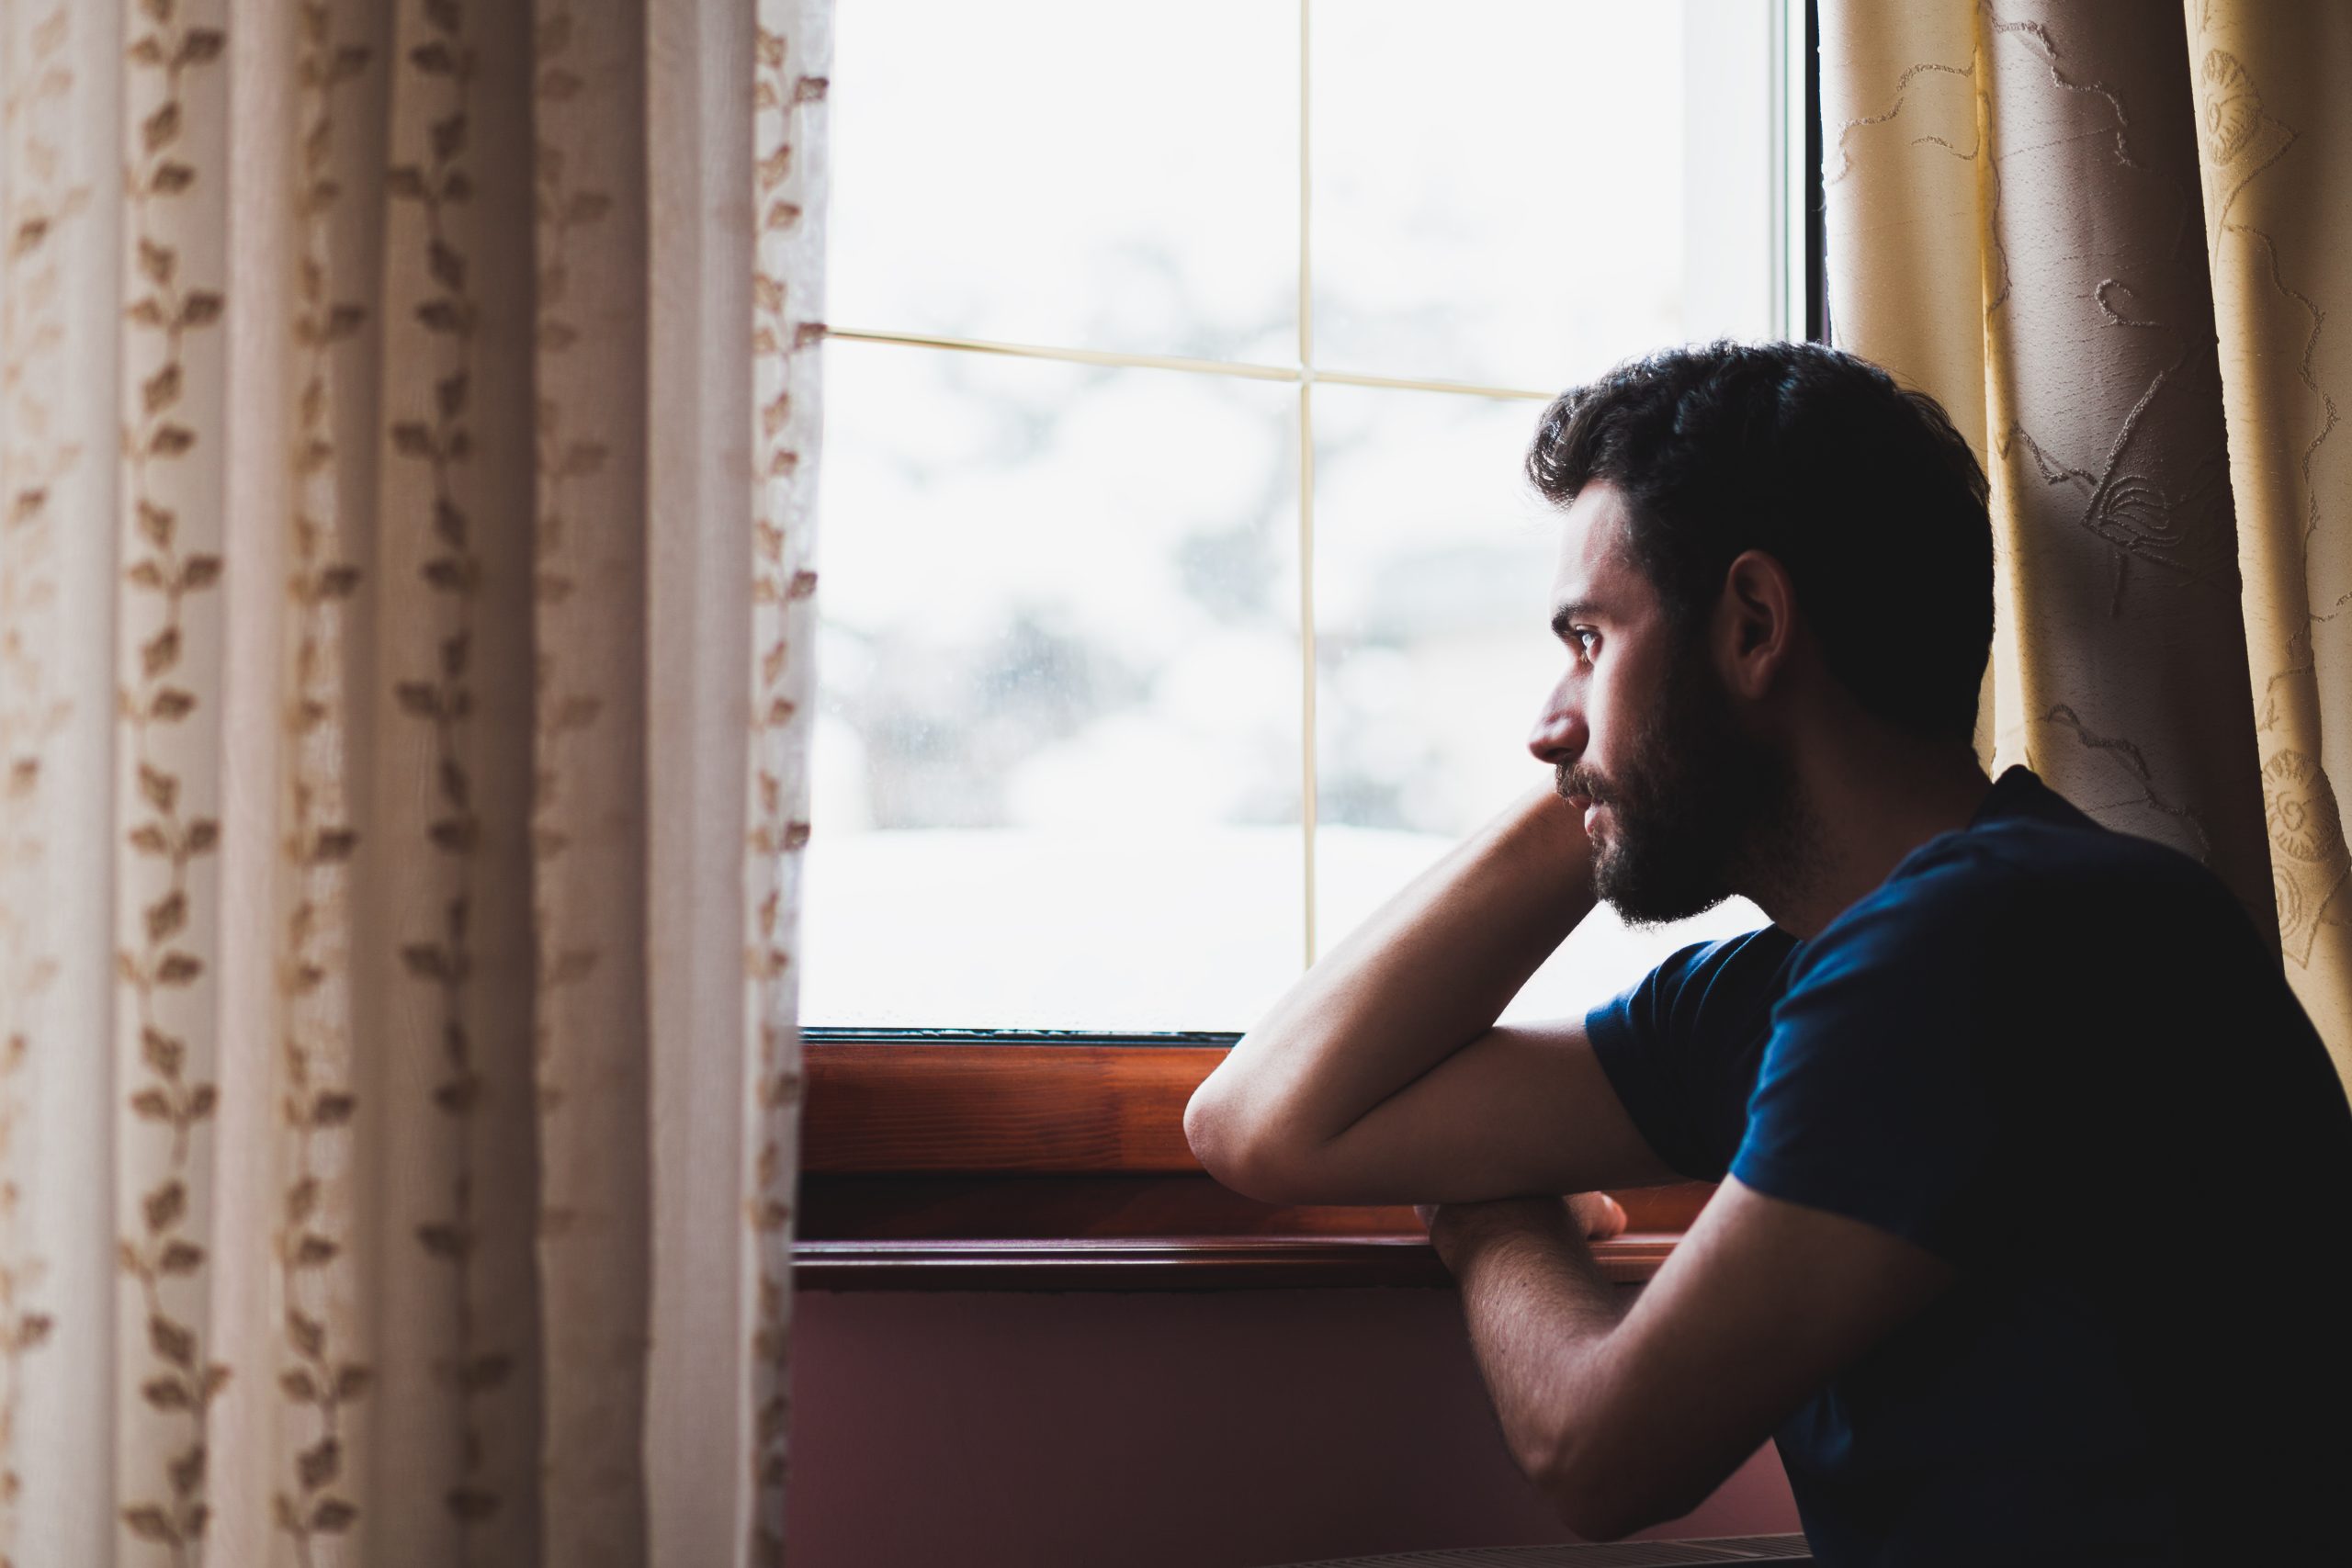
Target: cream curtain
408	421
2111	237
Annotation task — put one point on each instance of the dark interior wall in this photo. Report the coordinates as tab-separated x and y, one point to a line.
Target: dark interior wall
1160	1430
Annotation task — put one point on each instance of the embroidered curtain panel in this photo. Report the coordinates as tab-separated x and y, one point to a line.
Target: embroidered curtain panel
2109	237
408	424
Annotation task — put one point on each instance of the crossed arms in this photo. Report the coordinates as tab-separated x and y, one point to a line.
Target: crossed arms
1381	1078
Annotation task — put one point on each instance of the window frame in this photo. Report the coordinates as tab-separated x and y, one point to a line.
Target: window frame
1056	1159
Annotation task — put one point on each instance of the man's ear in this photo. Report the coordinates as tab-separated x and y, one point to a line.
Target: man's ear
1754	622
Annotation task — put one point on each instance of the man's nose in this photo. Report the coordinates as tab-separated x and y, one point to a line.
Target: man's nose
1559	734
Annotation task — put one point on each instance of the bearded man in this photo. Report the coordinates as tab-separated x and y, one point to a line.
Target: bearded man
2028	1245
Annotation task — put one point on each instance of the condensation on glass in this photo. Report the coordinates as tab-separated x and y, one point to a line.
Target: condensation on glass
1186	360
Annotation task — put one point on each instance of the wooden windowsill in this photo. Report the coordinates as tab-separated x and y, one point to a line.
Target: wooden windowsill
1055	1167
1162	1263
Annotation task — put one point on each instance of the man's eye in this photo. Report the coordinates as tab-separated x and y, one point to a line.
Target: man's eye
1580	634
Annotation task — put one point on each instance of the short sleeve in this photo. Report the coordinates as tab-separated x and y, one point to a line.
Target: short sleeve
1871	1101
1680	1046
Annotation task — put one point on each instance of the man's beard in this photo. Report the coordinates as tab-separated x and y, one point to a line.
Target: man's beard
1700	810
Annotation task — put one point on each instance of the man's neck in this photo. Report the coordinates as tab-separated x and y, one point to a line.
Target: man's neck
1863	807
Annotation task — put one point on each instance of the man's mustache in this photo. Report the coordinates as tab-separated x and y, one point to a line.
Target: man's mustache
1576	781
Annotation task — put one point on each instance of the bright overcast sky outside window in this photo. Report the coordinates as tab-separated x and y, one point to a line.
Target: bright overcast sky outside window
1058	772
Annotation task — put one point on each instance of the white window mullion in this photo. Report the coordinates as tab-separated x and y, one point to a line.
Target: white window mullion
1306	483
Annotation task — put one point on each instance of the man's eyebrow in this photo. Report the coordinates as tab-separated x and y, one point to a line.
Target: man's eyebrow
1573	611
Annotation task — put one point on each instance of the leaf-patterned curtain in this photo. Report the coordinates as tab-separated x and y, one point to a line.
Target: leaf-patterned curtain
407	425
2109	237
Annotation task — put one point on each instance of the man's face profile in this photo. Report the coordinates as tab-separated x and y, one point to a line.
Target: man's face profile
1680	790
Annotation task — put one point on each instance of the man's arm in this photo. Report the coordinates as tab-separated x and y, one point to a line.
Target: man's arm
1627	1419
1380	1075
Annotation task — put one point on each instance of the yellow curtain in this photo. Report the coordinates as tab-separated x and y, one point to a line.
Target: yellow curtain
407	430
2043	214
2274	159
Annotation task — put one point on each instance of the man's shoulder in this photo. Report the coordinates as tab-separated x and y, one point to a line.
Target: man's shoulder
1702	1003
1732	979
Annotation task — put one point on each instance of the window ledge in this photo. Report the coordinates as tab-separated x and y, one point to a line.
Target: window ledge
1162	1263
1028	1164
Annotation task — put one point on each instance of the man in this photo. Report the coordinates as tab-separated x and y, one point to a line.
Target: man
2035	1179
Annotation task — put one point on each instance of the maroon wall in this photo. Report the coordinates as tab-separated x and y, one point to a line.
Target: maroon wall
1160	1430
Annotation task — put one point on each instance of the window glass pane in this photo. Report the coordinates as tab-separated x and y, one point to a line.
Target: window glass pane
1069	173
1058	764
1519	193
1433	563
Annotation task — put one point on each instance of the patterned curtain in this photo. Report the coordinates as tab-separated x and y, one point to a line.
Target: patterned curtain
2109	239
408	424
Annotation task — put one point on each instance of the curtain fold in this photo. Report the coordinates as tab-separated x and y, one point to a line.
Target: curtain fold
2275	157
408	432
2023	221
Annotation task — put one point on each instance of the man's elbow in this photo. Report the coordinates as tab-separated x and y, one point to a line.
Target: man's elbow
1601	1500
1222	1145
1209	1134
1595	1513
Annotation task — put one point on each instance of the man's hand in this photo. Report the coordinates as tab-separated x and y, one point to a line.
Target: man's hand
1595	1215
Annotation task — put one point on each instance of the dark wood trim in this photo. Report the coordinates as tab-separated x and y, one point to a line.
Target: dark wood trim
1161	1263
1033	1163
930	1231
1098	1107
1076	1108
931	1206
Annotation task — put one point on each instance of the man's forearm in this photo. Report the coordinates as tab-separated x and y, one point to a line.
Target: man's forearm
1426	973
1537	1307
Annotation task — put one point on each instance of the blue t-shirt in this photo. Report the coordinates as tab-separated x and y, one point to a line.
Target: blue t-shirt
2063	1059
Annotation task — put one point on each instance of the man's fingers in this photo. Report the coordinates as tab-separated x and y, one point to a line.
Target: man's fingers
1601	1215
1597	1214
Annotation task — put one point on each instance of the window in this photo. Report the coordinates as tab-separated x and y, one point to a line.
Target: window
1182	598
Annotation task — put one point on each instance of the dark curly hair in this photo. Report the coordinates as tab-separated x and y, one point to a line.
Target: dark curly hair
1860	488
